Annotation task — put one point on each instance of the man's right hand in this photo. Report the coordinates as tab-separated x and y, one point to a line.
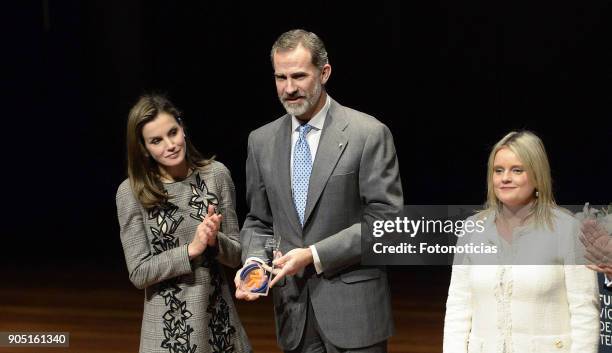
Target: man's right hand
241	294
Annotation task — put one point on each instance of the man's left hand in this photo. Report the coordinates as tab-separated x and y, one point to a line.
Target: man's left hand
291	263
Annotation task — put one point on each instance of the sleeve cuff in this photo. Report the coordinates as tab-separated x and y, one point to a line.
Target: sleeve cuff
317	262
187	265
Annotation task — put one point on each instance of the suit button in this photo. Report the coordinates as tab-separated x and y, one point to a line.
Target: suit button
559	344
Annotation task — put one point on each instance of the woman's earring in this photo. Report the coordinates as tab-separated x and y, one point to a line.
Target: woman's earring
537	194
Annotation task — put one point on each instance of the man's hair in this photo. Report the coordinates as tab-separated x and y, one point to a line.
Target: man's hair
292	39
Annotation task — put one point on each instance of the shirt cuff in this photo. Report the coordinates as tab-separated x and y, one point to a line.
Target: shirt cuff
317	262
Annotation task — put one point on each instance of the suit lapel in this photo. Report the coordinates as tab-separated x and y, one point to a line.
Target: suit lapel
331	145
282	161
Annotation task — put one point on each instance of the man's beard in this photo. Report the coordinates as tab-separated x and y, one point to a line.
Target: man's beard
310	100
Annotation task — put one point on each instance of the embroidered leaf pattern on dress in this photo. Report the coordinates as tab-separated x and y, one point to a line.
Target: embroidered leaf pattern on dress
201	198
176	330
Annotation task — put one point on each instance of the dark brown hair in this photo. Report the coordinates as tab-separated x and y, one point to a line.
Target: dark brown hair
143	170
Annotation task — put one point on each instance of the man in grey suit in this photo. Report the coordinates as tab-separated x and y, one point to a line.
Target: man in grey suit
314	176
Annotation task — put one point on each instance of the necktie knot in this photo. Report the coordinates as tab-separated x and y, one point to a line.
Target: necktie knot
304	130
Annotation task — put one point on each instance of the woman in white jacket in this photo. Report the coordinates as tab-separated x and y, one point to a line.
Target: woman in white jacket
548	304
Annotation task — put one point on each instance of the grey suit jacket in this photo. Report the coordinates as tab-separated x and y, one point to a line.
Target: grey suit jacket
355	177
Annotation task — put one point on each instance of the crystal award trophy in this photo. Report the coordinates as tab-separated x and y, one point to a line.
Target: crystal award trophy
258	269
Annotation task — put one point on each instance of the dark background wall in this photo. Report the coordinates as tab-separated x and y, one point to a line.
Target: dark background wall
449	78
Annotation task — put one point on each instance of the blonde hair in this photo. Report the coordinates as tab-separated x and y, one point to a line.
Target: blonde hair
530	150
143	170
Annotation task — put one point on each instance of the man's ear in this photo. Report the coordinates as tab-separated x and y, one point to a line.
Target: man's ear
325	73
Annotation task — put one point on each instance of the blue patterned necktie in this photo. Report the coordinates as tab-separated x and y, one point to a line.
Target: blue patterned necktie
302	166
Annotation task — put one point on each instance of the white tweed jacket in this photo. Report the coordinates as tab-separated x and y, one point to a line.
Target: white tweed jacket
524	308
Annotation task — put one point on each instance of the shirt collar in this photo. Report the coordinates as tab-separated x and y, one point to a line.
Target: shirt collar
317	121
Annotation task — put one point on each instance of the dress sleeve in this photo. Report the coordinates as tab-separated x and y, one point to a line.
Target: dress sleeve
583	300
228	238
144	267
458	318
582	296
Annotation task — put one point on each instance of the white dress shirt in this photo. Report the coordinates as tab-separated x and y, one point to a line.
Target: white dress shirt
313	137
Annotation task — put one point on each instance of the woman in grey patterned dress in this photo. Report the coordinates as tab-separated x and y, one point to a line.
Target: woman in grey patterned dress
178	226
